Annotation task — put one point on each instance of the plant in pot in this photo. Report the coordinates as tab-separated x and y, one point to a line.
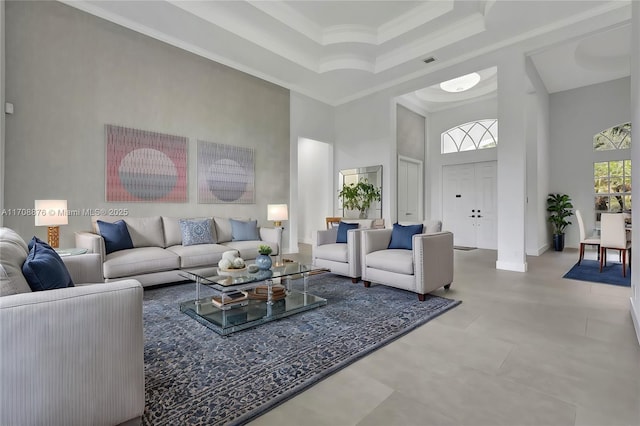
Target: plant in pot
559	206
359	196
263	261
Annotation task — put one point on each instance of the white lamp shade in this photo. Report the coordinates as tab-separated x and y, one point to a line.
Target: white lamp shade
277	212
51	212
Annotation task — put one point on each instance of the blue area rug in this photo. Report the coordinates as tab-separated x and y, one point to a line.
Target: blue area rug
197	377
589	270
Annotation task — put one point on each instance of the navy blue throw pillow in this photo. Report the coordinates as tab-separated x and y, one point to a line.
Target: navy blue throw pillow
44	269
342	231
36	240
402	236
116	235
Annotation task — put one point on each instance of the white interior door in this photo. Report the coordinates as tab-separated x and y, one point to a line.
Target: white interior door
469	204
409	190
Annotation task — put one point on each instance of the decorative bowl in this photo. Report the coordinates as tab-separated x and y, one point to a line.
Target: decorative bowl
232	272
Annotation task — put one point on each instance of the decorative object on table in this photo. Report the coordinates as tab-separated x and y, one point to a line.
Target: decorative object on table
52	214
359	196
263	260
559	206
261	292
226	173
294	352
231	264
277	213
145	166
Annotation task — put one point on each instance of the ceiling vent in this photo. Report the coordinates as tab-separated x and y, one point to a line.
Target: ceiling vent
429	60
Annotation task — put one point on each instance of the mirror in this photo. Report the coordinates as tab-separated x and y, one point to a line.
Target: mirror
373	175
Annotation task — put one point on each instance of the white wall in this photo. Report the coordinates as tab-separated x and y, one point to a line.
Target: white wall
575	117
309	119
314	181
2	118
635	153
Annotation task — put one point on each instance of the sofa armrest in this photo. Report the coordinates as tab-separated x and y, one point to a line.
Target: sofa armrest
92	242
326	236
433	260
73	355
272	235
85	268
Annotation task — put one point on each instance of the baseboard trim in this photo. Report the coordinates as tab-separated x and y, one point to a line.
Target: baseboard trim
634	317
510	266
539	251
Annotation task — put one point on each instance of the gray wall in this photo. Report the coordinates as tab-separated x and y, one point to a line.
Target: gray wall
575	116
70	73
410	138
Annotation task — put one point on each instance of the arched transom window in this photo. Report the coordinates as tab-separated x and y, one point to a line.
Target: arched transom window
616	137
470	136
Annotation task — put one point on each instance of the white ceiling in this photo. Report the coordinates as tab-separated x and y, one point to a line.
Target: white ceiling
336	51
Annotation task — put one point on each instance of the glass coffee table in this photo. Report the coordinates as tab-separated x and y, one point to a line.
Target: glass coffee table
230	308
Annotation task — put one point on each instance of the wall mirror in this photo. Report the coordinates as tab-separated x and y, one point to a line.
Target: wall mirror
372	175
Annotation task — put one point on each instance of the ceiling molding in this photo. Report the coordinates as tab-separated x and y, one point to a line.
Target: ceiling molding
412	19
291	18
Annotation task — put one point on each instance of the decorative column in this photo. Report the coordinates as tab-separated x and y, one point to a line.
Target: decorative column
512	162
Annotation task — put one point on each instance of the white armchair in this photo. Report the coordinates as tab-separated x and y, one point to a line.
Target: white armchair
339	258
70	356
425	268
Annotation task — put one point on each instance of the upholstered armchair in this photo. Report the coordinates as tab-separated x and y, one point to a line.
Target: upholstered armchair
425	266
338	248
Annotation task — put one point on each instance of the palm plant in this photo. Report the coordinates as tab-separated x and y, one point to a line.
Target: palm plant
559	206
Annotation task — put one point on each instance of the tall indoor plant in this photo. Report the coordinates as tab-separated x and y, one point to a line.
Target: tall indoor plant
559	206
359	196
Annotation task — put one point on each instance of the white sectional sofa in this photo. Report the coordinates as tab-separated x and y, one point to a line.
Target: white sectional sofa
68	356
158	255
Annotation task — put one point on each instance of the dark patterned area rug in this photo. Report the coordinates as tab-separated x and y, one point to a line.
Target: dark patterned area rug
197	377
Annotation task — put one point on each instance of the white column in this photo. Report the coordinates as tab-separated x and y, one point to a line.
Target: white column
635	172
511	163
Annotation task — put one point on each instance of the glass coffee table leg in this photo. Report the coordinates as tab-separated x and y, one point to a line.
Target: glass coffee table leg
198	304
305	281
269	292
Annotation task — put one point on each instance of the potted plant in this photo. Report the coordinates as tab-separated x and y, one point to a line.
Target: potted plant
559	206
263	261
359	196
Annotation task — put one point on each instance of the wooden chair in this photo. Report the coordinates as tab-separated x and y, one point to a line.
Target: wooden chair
584	241
613	235
333	222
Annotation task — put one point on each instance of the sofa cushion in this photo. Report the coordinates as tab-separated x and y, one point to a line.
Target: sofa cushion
343	227
44	269
196	231
144	231
13	252
399	261
337	252
138	261
401	236
223	228
244	230
116	236
172	231
198	255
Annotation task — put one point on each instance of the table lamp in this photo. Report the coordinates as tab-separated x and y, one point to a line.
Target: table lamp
51	213
277	213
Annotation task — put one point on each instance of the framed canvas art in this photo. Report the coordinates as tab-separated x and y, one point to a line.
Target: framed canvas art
145	166
226	174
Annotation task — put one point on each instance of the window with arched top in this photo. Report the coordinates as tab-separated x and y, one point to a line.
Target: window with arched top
480	134
612	179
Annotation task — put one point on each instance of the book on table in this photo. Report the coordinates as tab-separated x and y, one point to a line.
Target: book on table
230	299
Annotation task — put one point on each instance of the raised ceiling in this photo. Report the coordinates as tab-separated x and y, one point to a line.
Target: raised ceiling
336	51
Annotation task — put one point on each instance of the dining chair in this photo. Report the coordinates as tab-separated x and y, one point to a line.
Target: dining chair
584	241
613	235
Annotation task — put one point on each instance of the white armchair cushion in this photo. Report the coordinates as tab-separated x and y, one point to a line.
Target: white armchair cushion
337	252
399	261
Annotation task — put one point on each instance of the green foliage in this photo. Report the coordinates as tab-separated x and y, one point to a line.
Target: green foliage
264	249
359	196
559	206
617	137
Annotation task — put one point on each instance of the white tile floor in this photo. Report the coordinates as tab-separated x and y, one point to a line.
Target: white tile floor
522	349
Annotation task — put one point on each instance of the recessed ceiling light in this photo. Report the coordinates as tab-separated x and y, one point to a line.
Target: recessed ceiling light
460	84
429	60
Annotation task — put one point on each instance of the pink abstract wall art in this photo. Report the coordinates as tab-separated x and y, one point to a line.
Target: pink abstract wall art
145	166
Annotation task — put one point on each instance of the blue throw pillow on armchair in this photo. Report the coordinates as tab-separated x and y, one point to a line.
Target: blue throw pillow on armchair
343	227
116	236
44	269
402	236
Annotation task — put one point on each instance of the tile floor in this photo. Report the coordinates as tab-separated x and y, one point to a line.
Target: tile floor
522	349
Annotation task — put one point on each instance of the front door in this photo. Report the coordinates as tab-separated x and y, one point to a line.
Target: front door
469	204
